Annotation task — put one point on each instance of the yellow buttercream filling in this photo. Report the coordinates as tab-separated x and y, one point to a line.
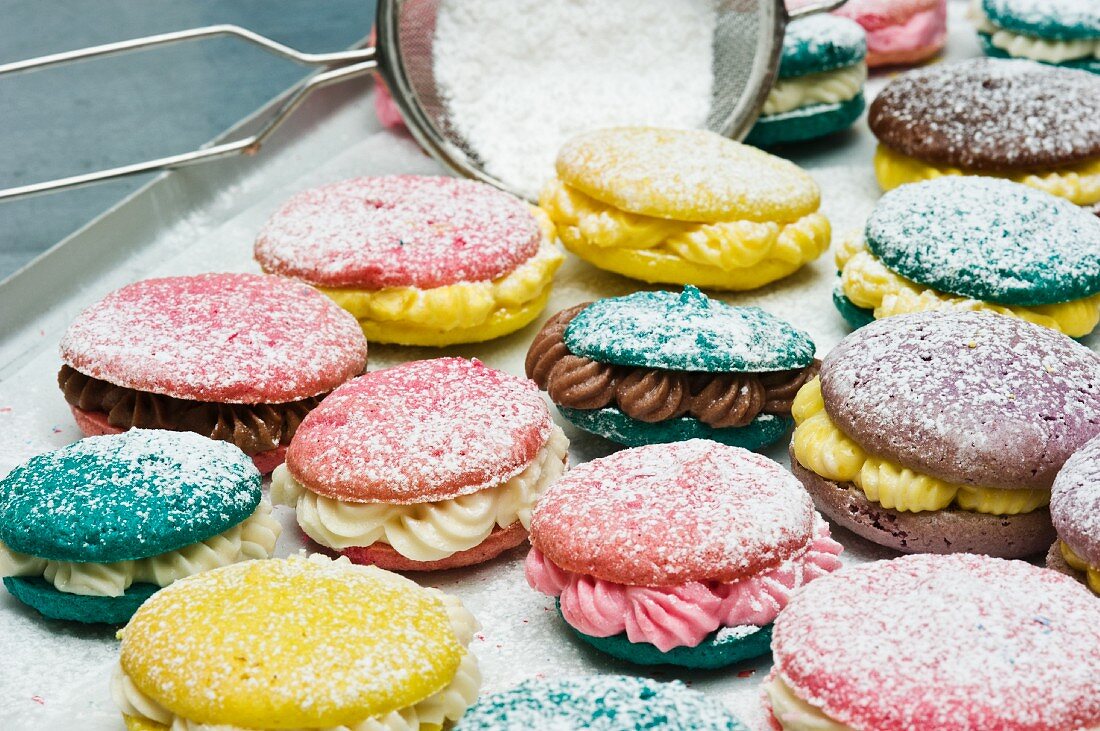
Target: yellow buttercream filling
870	284
734	255
1092	573
821	447
1079	183
464	312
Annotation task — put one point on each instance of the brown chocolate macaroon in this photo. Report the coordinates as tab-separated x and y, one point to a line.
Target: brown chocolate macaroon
656	367
1034	124
942	432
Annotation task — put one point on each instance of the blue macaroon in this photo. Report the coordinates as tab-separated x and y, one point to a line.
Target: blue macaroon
90	531
820	86
1057	32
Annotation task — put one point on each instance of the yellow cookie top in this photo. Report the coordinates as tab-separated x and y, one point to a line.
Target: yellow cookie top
290	643
686	175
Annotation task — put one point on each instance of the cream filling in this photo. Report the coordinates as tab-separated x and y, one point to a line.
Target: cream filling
827	87
1032	47
449	704
795	714
424	531
252	539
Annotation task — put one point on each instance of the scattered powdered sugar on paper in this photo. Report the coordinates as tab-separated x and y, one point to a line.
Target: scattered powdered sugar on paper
956	643
1075	502
520	77
671	513
989	239
398	231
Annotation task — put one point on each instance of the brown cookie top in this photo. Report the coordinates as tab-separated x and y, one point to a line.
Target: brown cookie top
973	398
991	115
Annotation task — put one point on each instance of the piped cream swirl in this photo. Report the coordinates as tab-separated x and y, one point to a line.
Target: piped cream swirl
254	538
424	531
827	87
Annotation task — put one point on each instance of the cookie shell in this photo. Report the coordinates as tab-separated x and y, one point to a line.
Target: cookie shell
1075	502
45	599
346	643
973	398
606	702
854	315
988	239
991	115
126	497
611	423
398	231
939	531
686	175
954	643
806	123
1061	20
420	432
686	331
230	338
875	14
384	556
821	43
671	513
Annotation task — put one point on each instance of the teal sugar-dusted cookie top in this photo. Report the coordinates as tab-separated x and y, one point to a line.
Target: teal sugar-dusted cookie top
988	239
126	496
821	43
686	331
1051	19
599	703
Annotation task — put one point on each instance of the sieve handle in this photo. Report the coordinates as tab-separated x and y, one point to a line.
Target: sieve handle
343	65
821	7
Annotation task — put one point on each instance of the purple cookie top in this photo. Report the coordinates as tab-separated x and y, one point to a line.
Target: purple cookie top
972	398
1075	502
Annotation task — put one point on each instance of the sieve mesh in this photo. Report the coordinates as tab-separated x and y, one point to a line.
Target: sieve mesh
746	45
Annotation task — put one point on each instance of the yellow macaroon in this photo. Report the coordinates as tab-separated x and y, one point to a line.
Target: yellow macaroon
305	643
684	207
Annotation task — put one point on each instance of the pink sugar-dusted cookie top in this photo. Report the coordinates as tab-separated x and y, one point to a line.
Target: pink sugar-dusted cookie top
398	231
420	432
1075	502
876	14
952	643
230	338
671	513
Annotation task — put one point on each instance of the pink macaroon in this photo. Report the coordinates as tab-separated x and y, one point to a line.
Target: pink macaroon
899	32
681	553
954	643
427	465
237	357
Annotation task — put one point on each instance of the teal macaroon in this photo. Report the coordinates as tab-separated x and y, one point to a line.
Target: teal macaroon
599	703
1058	32
974	242
820	86
90	531
657	367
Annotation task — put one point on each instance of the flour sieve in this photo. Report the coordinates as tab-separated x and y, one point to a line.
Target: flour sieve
746	45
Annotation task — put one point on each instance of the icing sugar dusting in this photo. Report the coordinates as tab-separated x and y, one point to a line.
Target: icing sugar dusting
991	114
821	43
988	239
507	72
1063	19
970	397
956	643
1075	502
231	338
398	231
672	513
126	496
420	432
599	703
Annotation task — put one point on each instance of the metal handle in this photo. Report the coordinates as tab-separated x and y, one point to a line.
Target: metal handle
822	7
350	64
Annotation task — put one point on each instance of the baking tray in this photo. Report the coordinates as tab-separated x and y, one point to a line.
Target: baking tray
55	675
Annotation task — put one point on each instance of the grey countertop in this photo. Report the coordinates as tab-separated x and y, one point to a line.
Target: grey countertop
82	117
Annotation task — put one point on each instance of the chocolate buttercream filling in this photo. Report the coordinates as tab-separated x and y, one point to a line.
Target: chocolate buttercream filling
654	394
254	428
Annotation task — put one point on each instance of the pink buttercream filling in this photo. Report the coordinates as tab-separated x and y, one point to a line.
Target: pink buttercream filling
924	29
684	614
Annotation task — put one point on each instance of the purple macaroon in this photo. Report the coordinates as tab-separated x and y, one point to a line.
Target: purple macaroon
1075	509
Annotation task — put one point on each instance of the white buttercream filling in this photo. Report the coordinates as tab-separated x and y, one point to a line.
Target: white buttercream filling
424	531
1037	49
795	714
254	538
827	87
